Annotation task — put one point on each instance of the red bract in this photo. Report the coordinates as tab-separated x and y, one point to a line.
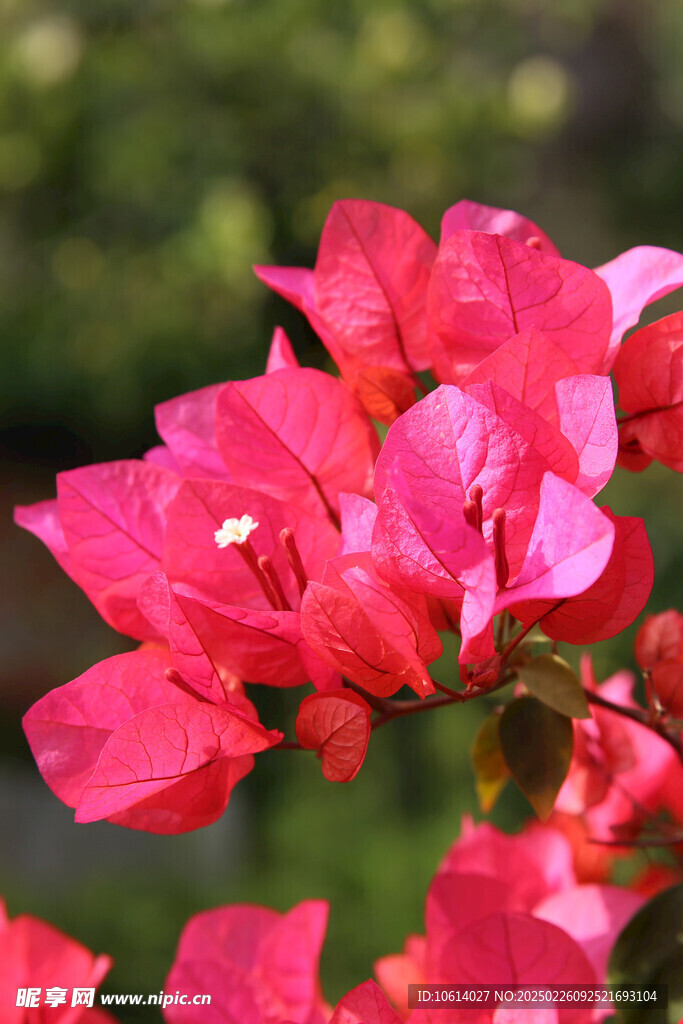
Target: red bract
337	725
359	626
260	966
33	954
106	529
667	681
649	373
660	638
125	743
366	296
298	434
485	288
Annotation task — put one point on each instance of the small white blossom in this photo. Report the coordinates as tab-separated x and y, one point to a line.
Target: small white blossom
234	531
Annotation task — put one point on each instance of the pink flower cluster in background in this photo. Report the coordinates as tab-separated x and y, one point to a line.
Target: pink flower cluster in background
500	910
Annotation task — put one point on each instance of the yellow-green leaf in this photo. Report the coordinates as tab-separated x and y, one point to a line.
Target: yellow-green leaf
537	744
490	770
553	681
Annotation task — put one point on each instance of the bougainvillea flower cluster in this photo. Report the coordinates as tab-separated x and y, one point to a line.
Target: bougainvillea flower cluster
500	910
273	539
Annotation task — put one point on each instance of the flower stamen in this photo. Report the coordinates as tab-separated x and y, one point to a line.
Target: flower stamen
502	567
293	557
234	531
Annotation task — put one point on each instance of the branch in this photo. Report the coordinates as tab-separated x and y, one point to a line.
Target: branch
642	842
398	708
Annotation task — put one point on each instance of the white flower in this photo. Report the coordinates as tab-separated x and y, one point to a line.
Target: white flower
234	531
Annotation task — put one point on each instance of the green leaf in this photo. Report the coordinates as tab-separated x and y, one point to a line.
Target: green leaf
649	952
490	770
553	681
537	744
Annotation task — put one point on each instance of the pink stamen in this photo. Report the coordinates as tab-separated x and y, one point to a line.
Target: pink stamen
476	511
502	567
250	558
268	570
293	557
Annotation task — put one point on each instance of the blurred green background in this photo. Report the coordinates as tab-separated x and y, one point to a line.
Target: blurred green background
150	152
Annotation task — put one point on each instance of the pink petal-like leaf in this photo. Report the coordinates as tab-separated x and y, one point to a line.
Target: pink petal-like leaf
113	517
562	562
267	960
532	863
365	1004
289	955
612	602
68	727
469	216
233	996
636	278
162	745
528	365
512	948
485	288
371	279
188	426
422	549
593	915
159	604
194	801
161	455
281	354
384	393
450	441
42	520
256	646
337	724
361	628
358	516
34	953
298	434
586	415
295	284
397	970
457	900
546	439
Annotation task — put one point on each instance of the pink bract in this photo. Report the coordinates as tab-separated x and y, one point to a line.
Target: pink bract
35	954
124	742
260	966
484	288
